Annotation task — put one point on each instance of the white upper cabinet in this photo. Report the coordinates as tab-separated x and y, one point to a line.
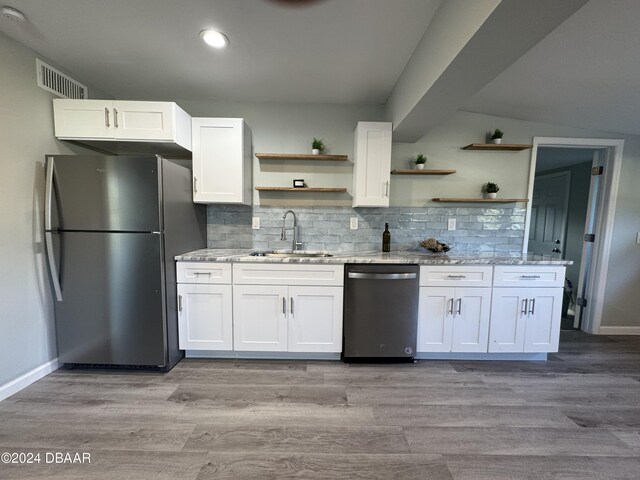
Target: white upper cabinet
126	121
221	161
372	164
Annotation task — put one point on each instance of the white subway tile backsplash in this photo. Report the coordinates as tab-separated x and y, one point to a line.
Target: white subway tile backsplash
327	228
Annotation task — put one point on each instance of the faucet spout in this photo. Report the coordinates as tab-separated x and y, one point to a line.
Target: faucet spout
283	236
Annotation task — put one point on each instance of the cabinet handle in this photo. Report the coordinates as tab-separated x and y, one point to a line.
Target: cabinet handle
386	189
202	273
456	277
195	185
284	306
532	306
459	311
524	307
106	117
450	306
180	303
291	305
115	117
529	277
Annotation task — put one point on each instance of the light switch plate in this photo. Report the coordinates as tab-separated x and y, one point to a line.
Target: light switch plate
255	223
638	238
451	224
353	224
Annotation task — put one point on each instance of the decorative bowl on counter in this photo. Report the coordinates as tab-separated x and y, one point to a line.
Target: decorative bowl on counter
435	246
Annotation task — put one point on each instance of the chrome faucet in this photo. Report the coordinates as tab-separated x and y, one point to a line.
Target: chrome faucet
283	236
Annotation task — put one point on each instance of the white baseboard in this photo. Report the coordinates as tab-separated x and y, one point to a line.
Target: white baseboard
619	330
23	381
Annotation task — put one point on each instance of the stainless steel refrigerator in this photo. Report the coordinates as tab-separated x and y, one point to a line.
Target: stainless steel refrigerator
112	227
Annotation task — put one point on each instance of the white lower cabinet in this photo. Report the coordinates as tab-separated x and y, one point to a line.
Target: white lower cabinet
282	318
453	319
525	319
204	316
287	308
315	319
205	320
260	318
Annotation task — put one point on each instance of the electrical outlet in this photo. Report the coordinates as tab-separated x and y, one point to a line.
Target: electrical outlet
353	224
255	223
451	224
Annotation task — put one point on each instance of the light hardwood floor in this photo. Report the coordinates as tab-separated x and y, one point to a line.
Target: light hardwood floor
576	416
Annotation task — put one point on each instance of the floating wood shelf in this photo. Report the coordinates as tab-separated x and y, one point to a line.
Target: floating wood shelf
422	172
299	189
505	147
301	156
480	200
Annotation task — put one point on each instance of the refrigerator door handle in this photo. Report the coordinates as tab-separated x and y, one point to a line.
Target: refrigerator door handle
48	194
48	237
52	266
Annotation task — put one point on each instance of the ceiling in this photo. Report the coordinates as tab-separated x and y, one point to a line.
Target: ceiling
584	73
330	51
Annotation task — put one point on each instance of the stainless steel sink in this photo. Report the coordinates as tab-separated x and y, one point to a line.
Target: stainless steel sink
290	253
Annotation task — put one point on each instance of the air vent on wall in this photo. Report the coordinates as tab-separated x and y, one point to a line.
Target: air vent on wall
54	81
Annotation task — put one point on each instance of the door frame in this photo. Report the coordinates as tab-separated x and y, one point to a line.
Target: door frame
605	213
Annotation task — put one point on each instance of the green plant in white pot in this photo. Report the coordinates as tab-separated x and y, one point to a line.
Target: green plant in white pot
317	146
490	189
496	136
420	161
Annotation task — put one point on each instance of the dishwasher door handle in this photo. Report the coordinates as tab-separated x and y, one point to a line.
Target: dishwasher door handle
383	276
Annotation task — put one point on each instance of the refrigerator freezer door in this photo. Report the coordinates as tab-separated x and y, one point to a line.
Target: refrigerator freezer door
100	193
112	308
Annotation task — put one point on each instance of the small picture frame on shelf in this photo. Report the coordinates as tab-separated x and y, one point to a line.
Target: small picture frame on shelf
298	183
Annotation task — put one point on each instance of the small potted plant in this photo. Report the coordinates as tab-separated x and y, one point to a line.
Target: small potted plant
420	161
491	189
317	146
496	136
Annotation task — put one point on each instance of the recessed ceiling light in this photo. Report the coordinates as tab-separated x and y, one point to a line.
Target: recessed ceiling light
214	39
13	14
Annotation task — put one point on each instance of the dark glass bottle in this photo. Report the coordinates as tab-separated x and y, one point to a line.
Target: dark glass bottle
386	239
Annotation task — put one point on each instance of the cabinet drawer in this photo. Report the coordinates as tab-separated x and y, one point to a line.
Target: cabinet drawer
454	275
528	276
284	274
203	272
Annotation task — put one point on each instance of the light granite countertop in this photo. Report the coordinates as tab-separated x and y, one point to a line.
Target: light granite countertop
421	258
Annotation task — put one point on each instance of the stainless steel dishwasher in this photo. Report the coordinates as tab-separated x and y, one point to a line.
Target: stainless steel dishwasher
380	312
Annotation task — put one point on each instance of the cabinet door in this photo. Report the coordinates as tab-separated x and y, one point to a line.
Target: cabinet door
204	317
542	331
315	319
372	164
508	318
472	309
435	319
260	318
143	120
83	118
221	166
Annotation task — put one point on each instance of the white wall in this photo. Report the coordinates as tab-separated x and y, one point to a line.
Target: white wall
27	331
622	299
